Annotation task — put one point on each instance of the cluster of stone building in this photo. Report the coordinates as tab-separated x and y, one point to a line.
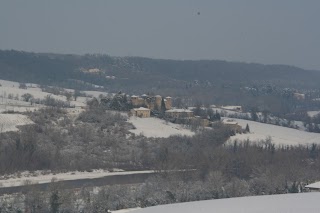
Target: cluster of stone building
145	104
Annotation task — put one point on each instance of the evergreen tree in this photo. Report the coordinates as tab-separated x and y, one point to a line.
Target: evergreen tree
247	128
163	106
218	116
54	201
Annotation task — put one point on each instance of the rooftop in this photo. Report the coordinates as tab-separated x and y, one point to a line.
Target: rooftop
229	121
141	109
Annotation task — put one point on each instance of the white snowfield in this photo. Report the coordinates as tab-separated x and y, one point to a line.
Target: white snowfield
38	177
315	185
9	122
286	203
155	127
312	114
125	210
95	94
279	135
17	106
5	83
228	112
10	87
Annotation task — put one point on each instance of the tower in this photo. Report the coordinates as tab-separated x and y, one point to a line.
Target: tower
158	102
168	103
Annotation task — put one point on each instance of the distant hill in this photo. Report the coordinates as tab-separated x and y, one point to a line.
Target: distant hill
138	74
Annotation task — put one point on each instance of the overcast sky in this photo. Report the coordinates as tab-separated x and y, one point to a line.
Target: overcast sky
264	31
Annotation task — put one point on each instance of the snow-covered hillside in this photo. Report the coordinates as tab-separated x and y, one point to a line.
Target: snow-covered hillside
12	88
16	105
287	203
155	127
312	114
37	93
9	122
95	93
278	134
39	177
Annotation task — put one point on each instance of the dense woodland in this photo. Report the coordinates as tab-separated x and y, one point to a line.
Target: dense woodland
97	139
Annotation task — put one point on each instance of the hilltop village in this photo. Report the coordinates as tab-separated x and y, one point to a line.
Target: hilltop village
146	106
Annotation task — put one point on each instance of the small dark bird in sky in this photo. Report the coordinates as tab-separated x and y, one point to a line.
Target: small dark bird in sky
198	13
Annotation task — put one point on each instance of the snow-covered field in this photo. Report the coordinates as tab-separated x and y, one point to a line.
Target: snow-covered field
42	177
286	203
5	83
18	108
155	127
278	134
10	87
95	93
17	105
9	122
312	114
227	112
125	210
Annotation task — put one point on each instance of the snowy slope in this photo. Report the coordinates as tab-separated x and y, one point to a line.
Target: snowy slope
154	127
5	83
9	122
312	114
226	112
10	87
315	185
39	177
95	94
278	134
287	203
125	210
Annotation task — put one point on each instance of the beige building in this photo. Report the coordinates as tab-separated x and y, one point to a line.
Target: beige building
233	125
141	112
168	102
197	120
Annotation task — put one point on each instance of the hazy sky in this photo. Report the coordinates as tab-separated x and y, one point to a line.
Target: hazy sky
264	31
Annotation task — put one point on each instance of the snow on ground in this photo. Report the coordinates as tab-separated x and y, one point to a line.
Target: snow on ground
125	210
41	176
17	105
155	127
5	83
10	87
13	108
279	135
95	93
228	112
36	92
312	114
315	185
286	203
13	102
9	122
